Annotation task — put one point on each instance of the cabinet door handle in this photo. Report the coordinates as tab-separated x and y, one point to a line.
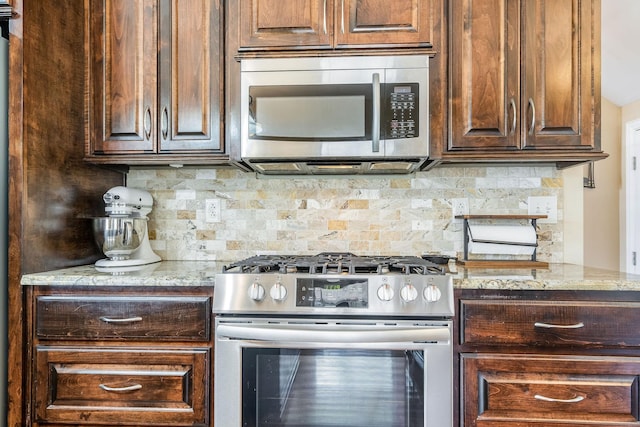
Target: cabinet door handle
165	123
552	326
325	17
342	18
126	389
532	108
551	399
147	123
121	320
512	104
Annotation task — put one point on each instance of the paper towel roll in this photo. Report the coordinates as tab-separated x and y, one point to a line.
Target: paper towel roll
498	249
502	239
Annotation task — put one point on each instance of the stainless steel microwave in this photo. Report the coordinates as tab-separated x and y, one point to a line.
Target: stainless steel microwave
335	115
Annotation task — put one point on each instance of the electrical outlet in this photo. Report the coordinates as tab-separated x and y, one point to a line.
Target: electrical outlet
460	206
547	205
212	210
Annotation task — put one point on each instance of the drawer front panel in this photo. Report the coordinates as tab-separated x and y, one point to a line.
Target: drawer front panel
135	386
530	389
560	323
123	317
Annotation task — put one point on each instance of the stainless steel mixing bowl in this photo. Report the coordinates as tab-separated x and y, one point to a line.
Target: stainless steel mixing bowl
118	237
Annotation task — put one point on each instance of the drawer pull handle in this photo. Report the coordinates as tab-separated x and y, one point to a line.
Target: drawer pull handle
133	387
123	320
552	326
551	399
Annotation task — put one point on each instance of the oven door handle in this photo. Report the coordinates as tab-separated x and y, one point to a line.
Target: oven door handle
342	335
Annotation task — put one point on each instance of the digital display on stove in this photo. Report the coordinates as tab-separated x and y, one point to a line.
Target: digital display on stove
323	292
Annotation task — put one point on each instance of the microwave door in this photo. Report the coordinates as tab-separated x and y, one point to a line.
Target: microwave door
311	114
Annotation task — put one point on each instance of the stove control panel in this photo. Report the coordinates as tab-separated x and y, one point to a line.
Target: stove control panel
330	294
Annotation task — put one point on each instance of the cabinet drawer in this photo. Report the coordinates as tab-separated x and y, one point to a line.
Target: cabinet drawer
544	323
122	386
539	389
123	317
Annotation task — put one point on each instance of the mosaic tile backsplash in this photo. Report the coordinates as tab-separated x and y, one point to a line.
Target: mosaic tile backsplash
373	215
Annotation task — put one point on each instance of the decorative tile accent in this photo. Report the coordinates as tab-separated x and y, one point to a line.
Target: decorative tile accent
375	215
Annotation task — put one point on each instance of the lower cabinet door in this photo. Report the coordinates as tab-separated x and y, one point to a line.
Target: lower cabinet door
123	386
519	390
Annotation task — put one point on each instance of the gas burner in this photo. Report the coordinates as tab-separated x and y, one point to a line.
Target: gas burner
335	263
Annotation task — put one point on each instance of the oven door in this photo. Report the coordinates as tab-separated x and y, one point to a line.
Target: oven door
326	373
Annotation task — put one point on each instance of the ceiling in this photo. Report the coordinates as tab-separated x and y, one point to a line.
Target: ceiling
621	51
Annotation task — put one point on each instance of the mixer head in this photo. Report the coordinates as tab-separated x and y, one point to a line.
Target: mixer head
127	201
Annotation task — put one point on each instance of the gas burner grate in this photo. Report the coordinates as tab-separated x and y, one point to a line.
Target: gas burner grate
335	263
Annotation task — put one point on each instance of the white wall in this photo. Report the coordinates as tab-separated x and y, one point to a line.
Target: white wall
602	204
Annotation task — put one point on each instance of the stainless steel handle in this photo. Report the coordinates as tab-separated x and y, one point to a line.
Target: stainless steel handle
165	123
342	18
133	387
551	399
552	326
325	17
375	126
357	335
147	123
514	122
121	320
532	108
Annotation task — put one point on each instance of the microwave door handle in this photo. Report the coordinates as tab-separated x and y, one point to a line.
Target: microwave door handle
375	126
362	336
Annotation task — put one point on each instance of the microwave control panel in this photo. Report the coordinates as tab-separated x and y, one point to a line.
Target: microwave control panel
402	110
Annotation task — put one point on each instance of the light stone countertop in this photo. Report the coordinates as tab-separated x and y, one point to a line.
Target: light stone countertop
556	277
165	273
202	273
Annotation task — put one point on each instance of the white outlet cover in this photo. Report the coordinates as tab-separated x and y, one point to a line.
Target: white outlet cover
212	210
544	205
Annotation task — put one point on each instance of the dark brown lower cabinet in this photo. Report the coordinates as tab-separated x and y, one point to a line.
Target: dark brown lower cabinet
547	358
519	390
121	356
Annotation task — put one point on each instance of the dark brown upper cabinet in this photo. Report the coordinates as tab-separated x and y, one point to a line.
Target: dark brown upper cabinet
329	24
155	82
524	81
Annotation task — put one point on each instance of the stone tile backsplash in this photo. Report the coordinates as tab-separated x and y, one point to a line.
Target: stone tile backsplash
373	215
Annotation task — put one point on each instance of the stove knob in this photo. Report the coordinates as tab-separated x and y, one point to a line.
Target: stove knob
385	292
256	291
408	293
278	292
432	293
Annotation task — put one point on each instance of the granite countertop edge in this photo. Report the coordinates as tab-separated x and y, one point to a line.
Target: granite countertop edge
202	273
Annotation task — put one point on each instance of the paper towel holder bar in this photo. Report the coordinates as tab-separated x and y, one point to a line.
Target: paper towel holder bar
531	263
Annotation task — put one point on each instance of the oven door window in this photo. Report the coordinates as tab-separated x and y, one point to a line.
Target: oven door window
311	112
326	388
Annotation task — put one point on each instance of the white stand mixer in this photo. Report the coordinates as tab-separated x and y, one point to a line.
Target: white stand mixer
122	235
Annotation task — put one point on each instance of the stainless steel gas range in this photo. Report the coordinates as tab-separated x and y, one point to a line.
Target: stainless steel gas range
333	340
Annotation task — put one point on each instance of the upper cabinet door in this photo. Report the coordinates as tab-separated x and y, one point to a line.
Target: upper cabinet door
384	22
290	24
155	81
524	75
123	70
329	24
558	92
485	72
190	76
